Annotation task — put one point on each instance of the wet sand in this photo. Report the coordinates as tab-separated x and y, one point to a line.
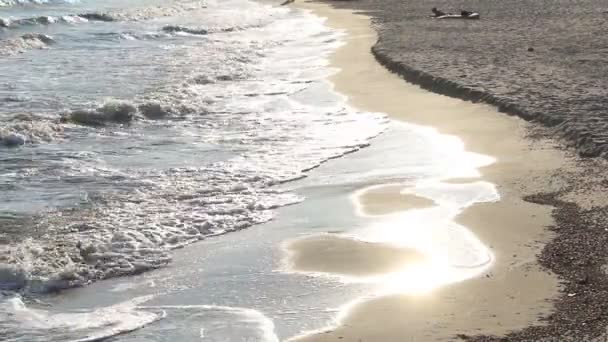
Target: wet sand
516	291
388	199
345	256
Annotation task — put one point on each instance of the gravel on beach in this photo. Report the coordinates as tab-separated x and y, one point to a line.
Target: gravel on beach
547	62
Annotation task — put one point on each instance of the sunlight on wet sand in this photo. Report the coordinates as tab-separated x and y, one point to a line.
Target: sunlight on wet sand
345	256
387	199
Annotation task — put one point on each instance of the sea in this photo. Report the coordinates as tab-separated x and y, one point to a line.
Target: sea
146	149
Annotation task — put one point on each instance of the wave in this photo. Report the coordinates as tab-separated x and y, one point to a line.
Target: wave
133	14
208	30
95	16
178	29
133	232
136	217
144	13
81	246
41	20
28	41
12	23
15	23
129	35
8	3
166	31
28	130
123	113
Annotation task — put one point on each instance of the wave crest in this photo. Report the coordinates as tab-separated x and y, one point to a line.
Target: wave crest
123	113
26	129
183	29
41	20
95	16
8	3
24	43
117	112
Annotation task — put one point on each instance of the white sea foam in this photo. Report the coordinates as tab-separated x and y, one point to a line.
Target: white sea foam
6	3
28	41
28	130
22	322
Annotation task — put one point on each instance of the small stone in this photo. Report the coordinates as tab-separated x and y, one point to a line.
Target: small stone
583	280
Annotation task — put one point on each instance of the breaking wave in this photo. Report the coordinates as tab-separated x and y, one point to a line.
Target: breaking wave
28	130
41	20
178	29
24	43
144	13
7	3
123	113
126	14
94	16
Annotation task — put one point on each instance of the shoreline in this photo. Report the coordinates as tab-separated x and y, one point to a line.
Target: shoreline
373	88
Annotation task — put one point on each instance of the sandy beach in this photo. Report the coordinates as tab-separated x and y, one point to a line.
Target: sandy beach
516	292
323	170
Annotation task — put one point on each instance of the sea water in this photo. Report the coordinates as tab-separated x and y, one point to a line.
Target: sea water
142	126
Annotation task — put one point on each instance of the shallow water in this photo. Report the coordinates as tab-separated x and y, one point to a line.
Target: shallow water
239	287
168	124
